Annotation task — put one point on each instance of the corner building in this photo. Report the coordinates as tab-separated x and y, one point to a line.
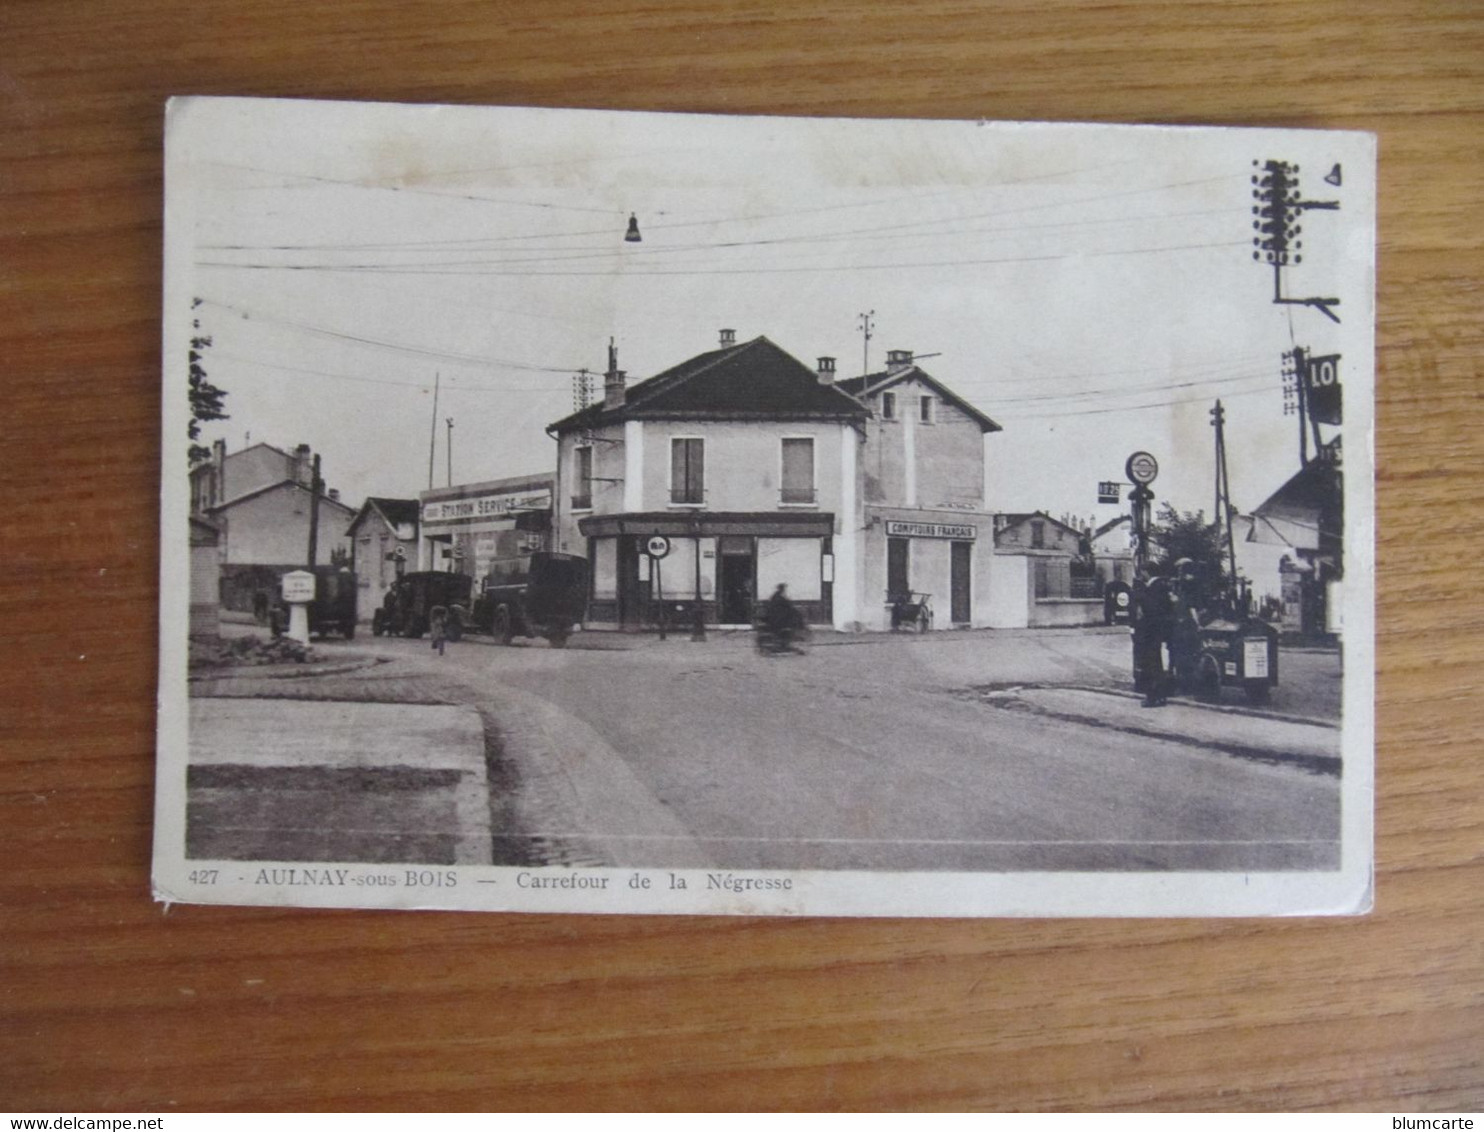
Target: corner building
756	470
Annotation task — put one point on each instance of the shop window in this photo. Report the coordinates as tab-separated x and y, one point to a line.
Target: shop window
687	470
798	470
792	562
582	479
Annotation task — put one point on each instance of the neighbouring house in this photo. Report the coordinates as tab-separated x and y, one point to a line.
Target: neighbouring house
1308	514
1113	550
746	469
262	503
1049	574
384	541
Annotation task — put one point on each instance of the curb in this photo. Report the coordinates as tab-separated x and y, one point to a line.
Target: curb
297	673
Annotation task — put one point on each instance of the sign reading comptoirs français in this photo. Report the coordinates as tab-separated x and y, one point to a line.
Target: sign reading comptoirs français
929	530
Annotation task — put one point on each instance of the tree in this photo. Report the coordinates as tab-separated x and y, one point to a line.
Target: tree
1176	536
208	402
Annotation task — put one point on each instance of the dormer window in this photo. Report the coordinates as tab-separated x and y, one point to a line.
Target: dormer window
888	406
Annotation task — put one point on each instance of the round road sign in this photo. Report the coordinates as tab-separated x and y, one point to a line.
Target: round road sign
1142	468
657	546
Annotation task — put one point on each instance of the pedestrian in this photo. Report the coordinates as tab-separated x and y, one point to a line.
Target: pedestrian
1153	622
438	627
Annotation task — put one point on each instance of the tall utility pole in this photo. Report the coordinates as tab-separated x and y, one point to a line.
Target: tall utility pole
1277	212
1223	491
450	451
433	433
582	390
867	324
316	486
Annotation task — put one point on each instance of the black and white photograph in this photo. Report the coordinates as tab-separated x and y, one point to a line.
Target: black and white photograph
594	511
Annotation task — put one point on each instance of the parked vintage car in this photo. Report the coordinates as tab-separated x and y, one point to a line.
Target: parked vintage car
333	609
407	608
543	594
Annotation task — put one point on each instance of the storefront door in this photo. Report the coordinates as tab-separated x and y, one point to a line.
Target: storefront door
958	581
897	583
737	580
633	586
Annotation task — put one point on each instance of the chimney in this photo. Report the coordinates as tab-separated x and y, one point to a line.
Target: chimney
826	371
898	360
613	380
728	338
302	472
334	494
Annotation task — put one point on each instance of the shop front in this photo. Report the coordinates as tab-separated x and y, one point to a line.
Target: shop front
924	568
467	528
725	563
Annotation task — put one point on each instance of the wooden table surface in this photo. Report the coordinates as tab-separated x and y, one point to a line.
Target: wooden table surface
108	1002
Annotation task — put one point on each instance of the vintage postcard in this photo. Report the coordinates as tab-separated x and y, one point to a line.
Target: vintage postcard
575	511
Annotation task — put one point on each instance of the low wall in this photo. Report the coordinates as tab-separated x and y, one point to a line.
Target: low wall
1050	612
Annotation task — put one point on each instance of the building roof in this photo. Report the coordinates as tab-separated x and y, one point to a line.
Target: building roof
394	512
1015	518
1307	508
874	383
752	380
325	500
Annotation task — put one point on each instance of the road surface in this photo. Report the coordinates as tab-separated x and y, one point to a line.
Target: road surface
943	752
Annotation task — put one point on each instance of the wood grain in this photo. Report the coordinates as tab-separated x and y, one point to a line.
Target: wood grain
107	1002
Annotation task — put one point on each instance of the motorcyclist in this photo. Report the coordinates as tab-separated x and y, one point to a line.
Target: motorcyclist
781	620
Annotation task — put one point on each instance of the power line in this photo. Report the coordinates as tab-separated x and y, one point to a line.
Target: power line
421	351
486	273
460	387
1200	397
879	202
608	251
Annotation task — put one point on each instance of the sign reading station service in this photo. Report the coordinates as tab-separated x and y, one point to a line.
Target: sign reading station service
483	506
930	530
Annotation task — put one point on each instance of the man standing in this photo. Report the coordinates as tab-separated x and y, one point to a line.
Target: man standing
1153	616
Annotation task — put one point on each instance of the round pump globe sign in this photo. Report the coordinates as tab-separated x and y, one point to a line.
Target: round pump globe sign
1142	468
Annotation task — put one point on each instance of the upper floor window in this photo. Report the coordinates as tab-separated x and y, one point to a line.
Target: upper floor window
925	409
888	406
1038	534
798	470
582	478
687	470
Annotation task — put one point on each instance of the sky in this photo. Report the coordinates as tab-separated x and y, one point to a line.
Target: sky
1092	289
